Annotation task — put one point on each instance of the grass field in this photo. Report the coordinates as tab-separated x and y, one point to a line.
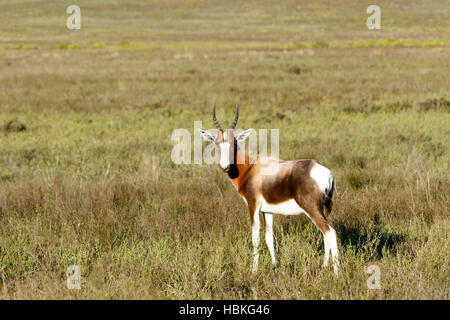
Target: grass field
86	120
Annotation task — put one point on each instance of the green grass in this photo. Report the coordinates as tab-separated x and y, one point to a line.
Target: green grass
86	119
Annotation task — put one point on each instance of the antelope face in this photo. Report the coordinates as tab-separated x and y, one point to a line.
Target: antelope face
225	147
226	143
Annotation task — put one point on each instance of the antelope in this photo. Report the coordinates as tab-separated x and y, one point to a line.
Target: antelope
273	186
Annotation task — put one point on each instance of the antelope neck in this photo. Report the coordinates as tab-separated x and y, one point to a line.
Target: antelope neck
237	172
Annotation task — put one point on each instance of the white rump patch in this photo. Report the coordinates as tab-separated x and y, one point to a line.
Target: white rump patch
289	207
322	176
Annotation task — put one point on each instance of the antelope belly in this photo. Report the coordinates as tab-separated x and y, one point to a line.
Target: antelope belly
289	207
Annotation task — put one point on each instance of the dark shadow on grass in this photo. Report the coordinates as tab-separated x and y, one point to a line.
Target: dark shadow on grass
371	239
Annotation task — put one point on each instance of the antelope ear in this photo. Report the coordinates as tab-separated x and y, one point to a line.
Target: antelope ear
206	135
244	135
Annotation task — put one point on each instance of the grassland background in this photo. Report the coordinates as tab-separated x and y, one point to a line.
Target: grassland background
90	181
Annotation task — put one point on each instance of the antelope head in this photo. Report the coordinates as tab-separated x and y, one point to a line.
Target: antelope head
226	142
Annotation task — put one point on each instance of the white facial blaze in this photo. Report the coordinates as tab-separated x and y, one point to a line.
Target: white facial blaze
224	154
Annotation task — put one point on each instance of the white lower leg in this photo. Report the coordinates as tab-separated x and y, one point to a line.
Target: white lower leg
327	250
255	240
269	236
330	240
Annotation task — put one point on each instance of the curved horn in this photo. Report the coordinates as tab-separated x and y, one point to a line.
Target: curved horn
236	117
216	123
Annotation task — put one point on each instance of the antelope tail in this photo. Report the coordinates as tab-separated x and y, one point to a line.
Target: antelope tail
327	196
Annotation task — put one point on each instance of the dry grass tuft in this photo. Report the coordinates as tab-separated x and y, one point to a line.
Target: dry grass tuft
86	177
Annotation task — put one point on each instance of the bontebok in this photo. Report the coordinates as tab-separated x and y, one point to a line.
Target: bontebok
273	186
